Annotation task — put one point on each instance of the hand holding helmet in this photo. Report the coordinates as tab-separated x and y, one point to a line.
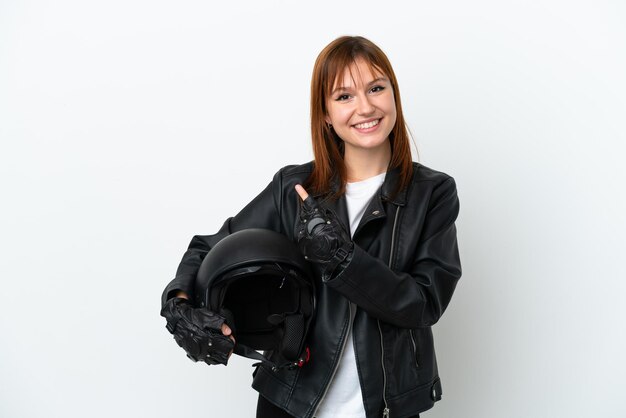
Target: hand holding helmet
321	238
198	331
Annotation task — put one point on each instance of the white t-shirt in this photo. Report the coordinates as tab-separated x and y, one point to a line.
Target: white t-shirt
344	398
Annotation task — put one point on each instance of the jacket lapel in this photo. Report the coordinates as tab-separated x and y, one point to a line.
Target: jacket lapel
375	209
340	208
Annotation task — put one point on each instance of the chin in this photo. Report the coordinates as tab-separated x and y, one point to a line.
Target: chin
369	144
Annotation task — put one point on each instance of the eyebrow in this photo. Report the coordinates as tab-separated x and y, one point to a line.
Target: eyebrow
376	80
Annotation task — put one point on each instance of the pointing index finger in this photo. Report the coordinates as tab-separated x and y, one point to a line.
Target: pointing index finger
308	201
301	192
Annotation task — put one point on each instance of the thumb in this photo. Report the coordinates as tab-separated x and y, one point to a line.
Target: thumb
226	330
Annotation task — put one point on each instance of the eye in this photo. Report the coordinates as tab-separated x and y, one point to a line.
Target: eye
342	98
376	89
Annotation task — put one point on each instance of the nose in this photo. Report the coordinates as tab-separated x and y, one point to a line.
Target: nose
364	105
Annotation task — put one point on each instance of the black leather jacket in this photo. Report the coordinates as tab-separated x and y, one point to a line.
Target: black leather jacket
398	284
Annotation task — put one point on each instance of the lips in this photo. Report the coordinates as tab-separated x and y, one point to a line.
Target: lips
367	125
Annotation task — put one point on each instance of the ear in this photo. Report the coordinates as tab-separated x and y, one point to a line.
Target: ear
327	120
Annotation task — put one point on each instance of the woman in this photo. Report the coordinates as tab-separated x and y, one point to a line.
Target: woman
371	343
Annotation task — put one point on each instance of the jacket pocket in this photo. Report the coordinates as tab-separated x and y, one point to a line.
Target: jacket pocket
415	347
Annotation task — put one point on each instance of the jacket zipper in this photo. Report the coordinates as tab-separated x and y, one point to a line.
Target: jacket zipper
343	347
382	363
387	411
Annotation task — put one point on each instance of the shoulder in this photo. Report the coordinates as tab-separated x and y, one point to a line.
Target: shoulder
422	173
432	187
424	176
287	177
293	173
296	169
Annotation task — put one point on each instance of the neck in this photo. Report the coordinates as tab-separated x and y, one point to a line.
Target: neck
363	163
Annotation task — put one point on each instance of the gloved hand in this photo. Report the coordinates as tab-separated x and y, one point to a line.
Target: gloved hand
322	239
197	331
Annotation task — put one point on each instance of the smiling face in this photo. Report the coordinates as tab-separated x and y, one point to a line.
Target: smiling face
361	108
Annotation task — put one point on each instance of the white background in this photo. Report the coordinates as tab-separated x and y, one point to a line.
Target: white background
127	127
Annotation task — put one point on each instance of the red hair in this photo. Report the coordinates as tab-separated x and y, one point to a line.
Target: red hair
331	63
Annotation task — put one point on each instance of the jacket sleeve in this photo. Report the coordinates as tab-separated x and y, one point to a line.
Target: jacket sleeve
417	297
262	212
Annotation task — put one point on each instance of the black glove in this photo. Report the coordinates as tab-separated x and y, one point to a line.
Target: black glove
198	331
323	240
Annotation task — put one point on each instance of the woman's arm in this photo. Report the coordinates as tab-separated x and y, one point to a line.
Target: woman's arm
262	212
419	296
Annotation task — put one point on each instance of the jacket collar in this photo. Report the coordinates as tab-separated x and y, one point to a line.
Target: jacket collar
374	210
391	179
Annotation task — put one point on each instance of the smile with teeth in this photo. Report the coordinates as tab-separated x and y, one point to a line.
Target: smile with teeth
367	125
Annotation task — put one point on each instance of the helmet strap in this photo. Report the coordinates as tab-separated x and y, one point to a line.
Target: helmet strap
246	351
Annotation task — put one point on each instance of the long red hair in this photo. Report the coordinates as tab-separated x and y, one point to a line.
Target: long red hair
331	63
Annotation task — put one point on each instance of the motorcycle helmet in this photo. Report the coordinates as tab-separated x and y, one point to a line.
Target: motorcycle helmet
259	280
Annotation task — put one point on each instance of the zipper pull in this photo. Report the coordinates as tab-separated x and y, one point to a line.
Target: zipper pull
386	413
